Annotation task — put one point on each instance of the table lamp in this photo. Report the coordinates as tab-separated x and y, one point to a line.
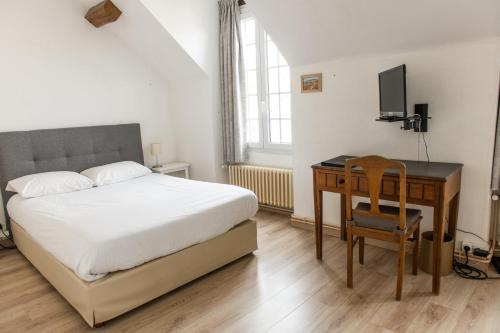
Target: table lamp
155	151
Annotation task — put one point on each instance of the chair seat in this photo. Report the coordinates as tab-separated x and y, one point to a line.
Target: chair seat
380	223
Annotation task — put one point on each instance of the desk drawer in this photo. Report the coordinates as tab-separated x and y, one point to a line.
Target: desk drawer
421	191
359	184
416	191
336	181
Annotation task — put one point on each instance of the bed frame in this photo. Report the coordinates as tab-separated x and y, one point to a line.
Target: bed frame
77	149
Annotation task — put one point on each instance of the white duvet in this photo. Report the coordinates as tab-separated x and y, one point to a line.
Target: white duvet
120	226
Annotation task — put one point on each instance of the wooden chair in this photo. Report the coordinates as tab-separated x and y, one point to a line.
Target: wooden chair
395	224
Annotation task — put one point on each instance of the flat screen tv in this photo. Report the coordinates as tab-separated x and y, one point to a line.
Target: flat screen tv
392	92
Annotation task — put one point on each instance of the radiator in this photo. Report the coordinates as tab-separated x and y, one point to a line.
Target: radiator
273	186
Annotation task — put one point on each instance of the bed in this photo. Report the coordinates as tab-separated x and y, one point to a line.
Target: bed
110	249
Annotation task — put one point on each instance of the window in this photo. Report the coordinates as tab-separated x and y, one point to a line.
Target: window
268	118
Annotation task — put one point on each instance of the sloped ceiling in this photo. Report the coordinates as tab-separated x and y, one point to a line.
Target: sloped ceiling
141	32
195	26
309	31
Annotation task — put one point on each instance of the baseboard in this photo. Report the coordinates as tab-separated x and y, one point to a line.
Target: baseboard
308	224
278	210
333	230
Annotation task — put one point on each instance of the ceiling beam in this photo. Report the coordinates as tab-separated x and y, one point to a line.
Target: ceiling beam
103	13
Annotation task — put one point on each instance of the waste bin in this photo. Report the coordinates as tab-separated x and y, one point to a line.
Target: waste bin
426	247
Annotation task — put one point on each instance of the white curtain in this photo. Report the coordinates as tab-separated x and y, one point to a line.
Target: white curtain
232	82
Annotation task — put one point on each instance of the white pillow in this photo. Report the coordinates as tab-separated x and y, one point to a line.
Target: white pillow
115	172
46	183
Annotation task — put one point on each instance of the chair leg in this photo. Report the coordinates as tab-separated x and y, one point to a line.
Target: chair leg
361	250
401	269
349	256
416	236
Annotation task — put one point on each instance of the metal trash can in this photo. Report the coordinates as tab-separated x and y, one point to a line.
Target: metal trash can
426	247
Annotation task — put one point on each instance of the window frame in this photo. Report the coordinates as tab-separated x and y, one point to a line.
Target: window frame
264	144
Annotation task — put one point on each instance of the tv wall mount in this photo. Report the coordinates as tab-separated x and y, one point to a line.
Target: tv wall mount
418	122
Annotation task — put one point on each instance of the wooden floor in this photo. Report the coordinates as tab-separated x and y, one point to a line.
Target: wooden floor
280	288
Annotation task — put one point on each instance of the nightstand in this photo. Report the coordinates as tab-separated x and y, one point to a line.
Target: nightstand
169	168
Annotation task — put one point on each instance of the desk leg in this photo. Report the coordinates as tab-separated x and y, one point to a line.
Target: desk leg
453	216
318	216
343	232
439	223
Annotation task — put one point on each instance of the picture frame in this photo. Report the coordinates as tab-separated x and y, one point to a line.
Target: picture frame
311	83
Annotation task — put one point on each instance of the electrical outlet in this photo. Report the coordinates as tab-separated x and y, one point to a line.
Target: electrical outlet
469	244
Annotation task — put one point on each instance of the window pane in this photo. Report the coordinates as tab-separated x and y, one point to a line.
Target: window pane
282	61
272	55
267	79
252	82
284	79
286	131
252	108
274	106
273	80
285	106
250	57
249	33
253	131
275	131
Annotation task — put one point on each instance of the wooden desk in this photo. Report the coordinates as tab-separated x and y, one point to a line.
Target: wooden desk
432	184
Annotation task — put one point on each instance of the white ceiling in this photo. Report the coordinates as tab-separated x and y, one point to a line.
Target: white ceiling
140	31
308	31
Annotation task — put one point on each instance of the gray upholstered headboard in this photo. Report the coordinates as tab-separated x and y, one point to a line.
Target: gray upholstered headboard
65	149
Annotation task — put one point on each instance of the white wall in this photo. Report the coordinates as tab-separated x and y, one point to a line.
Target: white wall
195	122
196	101
57	70
460	82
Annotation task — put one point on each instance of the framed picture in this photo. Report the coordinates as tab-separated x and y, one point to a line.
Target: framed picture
312	83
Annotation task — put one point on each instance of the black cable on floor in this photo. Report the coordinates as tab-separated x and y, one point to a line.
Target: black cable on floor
3	247
465	271
7	237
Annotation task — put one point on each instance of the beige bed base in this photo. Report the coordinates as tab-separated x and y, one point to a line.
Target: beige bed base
119	292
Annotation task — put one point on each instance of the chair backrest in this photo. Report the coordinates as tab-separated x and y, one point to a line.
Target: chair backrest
374	168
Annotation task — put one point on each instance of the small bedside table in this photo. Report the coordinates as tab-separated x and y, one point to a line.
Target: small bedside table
165	169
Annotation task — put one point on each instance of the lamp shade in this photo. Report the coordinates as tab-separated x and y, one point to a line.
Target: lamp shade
155	149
